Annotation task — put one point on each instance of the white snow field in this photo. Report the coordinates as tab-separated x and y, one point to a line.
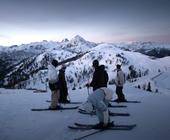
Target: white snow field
18	122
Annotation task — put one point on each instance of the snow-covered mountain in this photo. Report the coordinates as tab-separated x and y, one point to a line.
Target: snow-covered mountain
154	49
25	66
18	63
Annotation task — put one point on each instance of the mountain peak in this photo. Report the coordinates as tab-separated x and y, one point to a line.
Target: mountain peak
65	40
79	38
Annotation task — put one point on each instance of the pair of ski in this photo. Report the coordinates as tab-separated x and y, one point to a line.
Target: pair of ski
59	109
110	113
66	102
79	126
62	108
110	105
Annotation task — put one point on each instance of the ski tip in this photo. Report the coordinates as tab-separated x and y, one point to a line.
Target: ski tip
133	126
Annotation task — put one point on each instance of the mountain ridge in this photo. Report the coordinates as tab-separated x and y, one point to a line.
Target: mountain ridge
30	61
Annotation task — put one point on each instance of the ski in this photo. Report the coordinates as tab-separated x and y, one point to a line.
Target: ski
47	109
126	101
67	103
116	106
110	113
114	125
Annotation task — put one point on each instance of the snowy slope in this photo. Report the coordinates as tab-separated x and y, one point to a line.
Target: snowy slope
162	81
109	55
79	72
17	122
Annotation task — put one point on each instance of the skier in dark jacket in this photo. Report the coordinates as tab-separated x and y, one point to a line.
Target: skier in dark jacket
100	76
63	86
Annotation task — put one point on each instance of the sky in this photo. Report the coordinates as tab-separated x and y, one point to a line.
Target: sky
24	21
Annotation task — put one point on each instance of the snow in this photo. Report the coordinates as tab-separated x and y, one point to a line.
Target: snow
17	122
162	82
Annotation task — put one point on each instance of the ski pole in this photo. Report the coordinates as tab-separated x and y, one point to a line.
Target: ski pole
85	136
88	90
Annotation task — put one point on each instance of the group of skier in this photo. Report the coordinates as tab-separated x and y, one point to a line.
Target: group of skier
102	95
98	100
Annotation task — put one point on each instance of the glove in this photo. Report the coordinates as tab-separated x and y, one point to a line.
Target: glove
87	85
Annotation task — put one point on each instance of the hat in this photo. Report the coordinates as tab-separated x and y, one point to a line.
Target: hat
54	63
95	63
118	66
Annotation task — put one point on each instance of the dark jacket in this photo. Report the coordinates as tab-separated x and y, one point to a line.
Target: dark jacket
63	86
100	78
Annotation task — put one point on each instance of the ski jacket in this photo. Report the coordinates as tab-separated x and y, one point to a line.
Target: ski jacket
62	86
120	78
52	74
100	78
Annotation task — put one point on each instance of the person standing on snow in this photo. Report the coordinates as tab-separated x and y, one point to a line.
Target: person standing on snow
99	101
63	86
53	84
100	76
119	82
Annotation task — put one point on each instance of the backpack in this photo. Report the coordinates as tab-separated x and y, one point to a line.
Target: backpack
52	74
103	76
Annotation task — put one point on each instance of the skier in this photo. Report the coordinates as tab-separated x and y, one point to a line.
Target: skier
100	76
149	87
63	86
99	101
53	84
119	82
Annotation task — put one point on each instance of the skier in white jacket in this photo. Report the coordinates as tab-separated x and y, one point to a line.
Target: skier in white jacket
53	84
99	101
119	82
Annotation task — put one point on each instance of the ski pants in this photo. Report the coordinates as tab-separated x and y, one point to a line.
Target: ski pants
97	98
119	92
54	98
